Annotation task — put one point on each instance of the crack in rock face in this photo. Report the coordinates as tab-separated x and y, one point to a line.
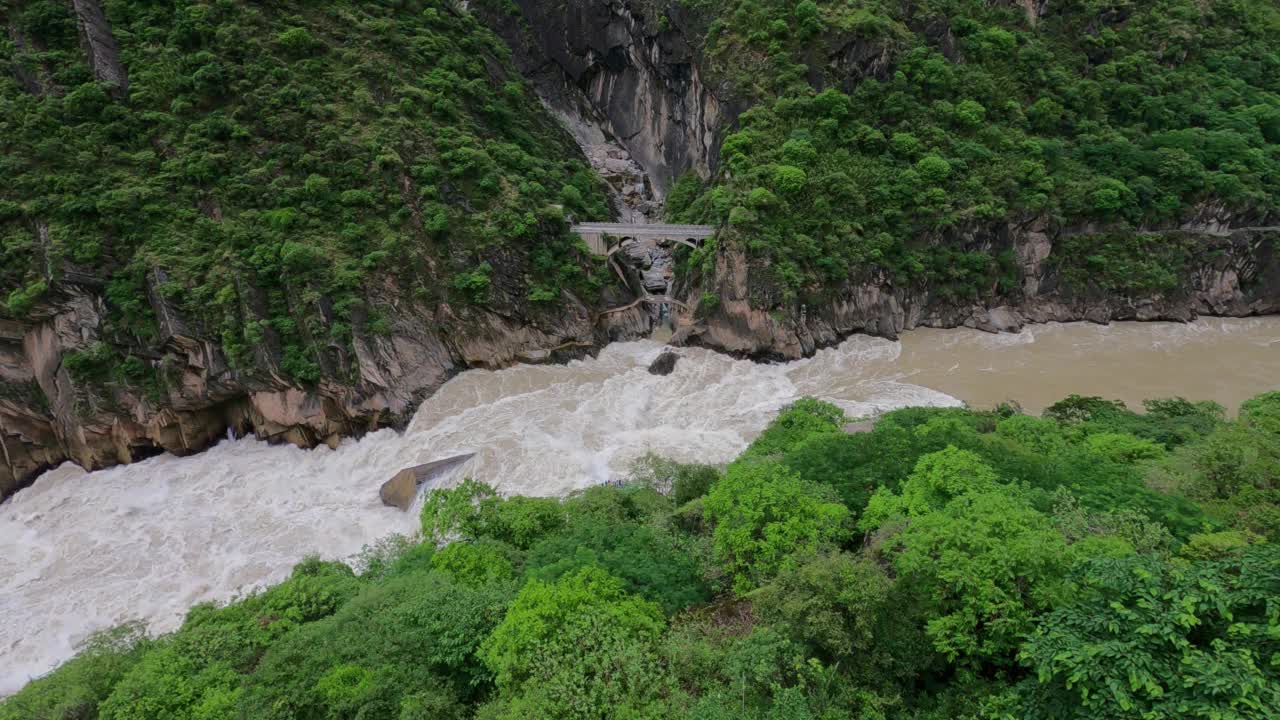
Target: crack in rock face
610	66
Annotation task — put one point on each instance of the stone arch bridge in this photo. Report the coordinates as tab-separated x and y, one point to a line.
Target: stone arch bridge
597	235
606	239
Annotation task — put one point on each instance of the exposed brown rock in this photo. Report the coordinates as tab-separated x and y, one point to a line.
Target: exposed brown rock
48	417
401	490
1233	274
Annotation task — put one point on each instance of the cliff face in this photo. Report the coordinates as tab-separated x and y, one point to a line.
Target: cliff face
1232	273
633	71
371	267
48	415
640	70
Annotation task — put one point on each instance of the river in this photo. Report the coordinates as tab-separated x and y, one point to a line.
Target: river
83	551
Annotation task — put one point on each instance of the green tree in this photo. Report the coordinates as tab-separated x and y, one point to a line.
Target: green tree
477	562
410	640
646	560
80	685
846	611
580	647
937	479
1145	638
766	517
989	564
795	423
456	512
197	672
474	510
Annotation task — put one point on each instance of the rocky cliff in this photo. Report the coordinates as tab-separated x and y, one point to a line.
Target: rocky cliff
48	415
639	73
234	261
1232	273
305	291
633	69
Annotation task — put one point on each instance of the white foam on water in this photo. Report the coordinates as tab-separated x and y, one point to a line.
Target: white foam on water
86	551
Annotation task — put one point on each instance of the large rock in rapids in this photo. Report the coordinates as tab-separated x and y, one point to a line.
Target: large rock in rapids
665	364
401	490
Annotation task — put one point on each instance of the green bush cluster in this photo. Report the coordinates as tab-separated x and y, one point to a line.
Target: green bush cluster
289	168
1093	562
909	137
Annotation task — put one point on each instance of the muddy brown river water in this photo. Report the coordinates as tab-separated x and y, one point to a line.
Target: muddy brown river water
84	551
1227	360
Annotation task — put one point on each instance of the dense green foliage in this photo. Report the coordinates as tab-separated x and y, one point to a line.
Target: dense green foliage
1091	563
273	167
281	165
1186	641
906	136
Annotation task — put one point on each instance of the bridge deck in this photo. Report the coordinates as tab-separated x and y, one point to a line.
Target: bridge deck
649	230
594	234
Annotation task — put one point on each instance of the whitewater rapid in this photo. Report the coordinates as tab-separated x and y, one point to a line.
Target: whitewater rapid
80	551
85	551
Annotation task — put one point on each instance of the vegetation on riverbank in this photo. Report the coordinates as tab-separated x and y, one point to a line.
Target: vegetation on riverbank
949	563
272	169
915	136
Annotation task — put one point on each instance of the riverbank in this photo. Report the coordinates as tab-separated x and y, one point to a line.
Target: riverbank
88	550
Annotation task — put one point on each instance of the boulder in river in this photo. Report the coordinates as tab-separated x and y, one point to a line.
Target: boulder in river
402	488
1001	319
665	364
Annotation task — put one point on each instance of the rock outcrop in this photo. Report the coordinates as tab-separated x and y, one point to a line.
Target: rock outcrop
101	48
636	76
664	364
1229	274
402	489
32	73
